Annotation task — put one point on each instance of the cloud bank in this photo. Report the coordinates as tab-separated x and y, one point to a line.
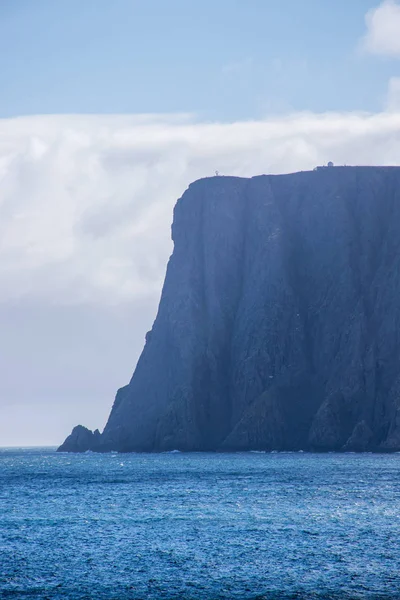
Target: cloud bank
86	202
85	212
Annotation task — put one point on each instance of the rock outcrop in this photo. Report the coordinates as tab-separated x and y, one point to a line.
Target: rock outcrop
279	321
81	440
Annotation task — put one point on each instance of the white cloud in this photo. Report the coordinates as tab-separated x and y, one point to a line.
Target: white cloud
86	201
383	29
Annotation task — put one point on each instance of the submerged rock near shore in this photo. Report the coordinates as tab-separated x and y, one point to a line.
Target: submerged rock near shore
279	322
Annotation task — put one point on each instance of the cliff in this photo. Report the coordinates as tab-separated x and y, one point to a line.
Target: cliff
279	321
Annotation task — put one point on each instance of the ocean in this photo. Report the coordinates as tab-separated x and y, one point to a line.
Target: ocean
199	526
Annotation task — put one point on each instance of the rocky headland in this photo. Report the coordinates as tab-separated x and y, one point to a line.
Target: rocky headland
278	326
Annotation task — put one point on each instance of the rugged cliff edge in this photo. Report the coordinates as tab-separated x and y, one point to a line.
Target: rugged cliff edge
279	321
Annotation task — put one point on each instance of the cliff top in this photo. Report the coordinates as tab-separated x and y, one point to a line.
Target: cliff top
316	172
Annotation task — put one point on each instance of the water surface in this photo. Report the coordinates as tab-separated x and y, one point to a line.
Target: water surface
199	526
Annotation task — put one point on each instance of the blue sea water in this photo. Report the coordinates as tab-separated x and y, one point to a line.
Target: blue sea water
199	526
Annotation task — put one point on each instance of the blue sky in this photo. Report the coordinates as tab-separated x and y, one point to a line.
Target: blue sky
223	60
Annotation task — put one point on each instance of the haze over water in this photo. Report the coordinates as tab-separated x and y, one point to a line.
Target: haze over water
198	526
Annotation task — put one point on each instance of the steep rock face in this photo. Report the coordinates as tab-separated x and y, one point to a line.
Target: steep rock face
279	320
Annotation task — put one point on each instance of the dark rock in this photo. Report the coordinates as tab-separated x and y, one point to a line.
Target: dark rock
81	440
361	438
279	320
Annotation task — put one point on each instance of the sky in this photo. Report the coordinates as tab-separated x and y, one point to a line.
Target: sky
221	59
108	110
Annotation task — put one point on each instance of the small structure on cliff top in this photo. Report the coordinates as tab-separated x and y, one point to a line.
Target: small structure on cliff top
328	166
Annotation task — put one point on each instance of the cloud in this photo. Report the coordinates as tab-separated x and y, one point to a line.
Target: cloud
86	202
383	30
85	211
